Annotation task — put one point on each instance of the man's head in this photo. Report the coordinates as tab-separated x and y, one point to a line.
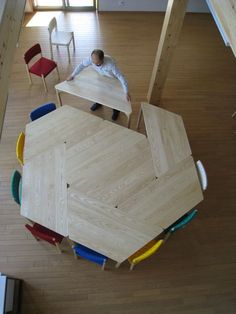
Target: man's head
97	56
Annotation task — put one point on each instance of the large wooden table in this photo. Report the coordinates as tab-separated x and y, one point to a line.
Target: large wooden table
95	182
97	88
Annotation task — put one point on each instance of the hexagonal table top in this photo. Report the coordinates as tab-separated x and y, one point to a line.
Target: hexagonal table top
95	182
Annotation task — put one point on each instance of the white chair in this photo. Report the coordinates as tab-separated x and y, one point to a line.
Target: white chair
59	38
202	174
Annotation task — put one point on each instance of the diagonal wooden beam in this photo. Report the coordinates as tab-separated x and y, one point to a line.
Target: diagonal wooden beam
11	15
171	29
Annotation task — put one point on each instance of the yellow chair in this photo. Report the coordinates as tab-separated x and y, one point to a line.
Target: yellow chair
20	148
146	251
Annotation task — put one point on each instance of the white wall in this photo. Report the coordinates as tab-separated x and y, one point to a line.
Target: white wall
148	5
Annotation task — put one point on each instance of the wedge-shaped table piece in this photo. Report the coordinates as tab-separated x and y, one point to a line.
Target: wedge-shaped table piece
167	198
44	191
97	88
64	125
110	165
106	229
167	137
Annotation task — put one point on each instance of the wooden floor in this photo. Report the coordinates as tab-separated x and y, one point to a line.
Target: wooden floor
195	272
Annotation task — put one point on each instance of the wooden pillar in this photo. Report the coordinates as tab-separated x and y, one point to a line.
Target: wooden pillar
11	15
171	28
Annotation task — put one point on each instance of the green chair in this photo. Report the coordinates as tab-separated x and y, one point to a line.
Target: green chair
180	223
16	187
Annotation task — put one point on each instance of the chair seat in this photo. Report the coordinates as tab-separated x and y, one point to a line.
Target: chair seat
142	250
89	254
58	238
43	67
61	38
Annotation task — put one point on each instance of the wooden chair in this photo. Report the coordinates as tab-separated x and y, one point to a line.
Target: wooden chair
43	233
59	38
16	186
20	148
180	223
202	175
42	111
42	67
91	255
145	252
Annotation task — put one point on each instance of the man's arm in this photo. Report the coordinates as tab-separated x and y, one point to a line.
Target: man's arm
122	80
83	64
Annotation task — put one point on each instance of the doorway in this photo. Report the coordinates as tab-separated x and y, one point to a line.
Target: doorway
77	5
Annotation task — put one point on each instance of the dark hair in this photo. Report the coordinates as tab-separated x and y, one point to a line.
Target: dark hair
98	53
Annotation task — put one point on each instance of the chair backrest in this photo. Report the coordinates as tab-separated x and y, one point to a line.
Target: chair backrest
183	221
16	186
20	147
89	254
202	174
52	25
32	52
44	233
144	255
42	110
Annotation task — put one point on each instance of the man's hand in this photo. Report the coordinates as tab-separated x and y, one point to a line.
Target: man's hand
128	97
70	78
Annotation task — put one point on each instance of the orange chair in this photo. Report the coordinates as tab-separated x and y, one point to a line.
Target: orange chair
42	67
20	148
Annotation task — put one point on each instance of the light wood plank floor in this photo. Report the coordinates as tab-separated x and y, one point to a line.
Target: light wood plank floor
195	271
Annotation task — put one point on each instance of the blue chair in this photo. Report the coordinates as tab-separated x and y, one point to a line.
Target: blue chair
180	223
93	256
42	111
16	186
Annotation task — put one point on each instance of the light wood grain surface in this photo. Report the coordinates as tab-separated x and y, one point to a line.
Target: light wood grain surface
95	181
167	137
165	200
225	13
104	228
111	164
44	192
97	88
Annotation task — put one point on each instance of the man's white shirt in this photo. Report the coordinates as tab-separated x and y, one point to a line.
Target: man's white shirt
107	68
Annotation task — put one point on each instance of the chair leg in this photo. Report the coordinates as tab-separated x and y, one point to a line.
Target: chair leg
68	51
44	84
103	265
75	255
29	76
58	247
167	236
37	239
131	266
139	118
58	73
73	38
51	50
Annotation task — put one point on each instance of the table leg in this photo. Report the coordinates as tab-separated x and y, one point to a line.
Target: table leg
139	118
58	98
128	121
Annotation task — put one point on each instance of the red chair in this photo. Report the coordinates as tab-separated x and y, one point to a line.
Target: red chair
43	233
42	67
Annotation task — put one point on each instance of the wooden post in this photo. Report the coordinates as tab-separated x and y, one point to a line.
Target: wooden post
171	28
11	15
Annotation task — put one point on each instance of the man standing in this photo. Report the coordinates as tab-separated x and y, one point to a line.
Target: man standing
104	65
